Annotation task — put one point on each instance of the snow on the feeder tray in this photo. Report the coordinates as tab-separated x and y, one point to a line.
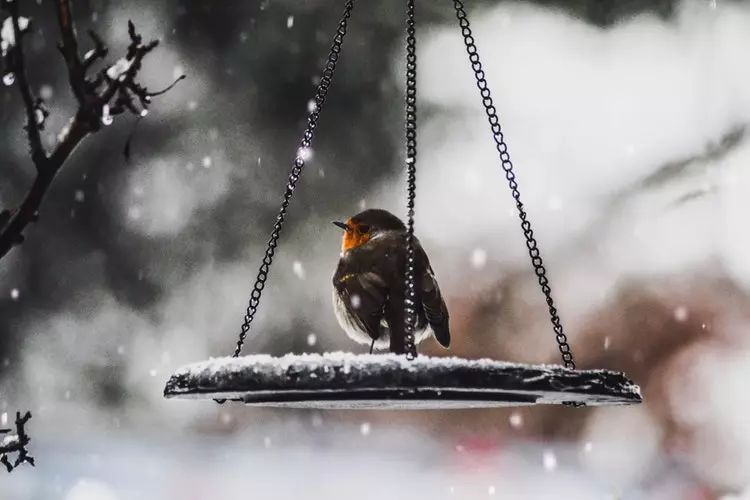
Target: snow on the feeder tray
315	360
375	363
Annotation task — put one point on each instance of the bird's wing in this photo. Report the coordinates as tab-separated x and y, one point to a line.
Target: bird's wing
364	295
435	309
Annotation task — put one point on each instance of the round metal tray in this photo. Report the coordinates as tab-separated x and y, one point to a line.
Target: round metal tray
387	381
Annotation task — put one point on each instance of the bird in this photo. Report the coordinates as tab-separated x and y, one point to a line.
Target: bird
369	285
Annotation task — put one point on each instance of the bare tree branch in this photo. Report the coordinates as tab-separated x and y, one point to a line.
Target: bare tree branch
111	91
38	155
16	443
98	52
69	48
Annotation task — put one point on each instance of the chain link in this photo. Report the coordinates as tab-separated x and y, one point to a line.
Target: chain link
410	312
294	176
502	149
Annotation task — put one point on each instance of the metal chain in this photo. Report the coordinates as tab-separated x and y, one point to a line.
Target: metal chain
502	149
299	164
410	312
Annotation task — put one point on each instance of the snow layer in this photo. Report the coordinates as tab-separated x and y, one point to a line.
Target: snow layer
345	380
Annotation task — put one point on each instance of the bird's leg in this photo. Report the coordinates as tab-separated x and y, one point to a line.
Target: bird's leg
372	345
398	342
394	317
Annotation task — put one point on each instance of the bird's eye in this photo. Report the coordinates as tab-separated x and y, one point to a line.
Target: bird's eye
364	229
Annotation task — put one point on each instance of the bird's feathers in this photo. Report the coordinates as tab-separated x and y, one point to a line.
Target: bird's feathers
435	309
369	293
363	296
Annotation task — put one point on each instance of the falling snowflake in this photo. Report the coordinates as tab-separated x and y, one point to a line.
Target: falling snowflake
549	460
46	92
478	258
355	301
491	490
206	162
298	270
364	429
312	339
289	22
134	213
266	442
305	153
14	294
516	420
79	196
681	314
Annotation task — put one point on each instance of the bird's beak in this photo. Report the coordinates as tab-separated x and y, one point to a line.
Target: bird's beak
342	225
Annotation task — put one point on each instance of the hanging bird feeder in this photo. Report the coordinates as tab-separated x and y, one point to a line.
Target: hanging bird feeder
344	380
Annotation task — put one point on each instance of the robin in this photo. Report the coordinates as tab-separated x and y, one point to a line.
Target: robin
368	286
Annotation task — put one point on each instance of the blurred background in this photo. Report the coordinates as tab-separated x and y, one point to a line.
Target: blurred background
627	123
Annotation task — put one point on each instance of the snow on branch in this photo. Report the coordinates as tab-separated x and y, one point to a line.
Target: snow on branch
101	95
16	443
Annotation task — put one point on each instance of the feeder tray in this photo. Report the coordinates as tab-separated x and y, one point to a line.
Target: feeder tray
388	381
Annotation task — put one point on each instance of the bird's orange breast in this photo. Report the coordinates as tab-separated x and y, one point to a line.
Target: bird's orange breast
354	237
